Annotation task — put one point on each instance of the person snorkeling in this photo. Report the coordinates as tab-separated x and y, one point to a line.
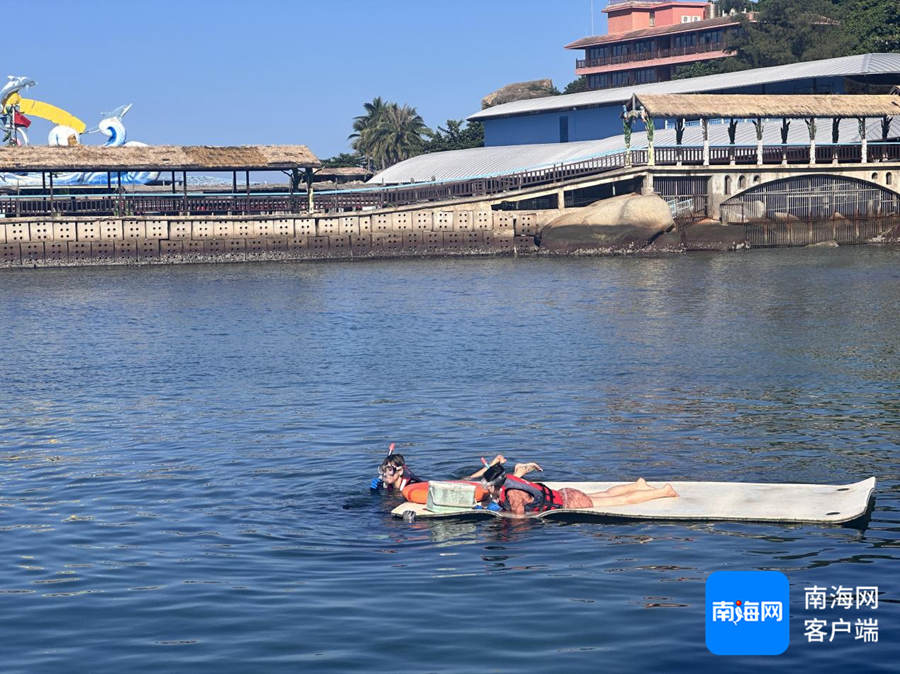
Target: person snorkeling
519	496
394	474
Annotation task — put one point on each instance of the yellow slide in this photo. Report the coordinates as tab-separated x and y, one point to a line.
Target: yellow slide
46	111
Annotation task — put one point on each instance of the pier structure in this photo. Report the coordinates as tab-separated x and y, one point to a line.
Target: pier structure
764	194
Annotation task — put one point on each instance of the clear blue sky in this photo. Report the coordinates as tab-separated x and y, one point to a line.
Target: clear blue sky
280	71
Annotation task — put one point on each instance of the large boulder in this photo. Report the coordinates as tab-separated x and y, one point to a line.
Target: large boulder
749	212
627	222
519	91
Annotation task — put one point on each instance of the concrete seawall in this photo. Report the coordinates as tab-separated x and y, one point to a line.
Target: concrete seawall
58	242
66	242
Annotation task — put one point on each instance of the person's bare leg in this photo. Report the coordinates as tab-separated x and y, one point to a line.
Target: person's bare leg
639	496
620	490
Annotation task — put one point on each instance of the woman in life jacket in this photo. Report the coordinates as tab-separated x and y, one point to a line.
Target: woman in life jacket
519	496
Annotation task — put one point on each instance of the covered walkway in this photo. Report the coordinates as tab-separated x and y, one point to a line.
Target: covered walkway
813	110
296	161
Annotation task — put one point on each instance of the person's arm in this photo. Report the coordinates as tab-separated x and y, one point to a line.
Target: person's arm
525	468
517	501
478	473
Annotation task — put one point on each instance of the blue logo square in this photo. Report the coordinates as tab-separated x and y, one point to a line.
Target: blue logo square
747	613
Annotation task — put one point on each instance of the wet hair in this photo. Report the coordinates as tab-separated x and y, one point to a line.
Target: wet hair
494	475
395	460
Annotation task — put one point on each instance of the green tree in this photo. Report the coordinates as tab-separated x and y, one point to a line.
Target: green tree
873	24
344	159
363	126
399	133
454	136
701	68
788	31
576	86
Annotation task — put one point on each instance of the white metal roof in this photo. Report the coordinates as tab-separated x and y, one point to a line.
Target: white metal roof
482	162
861	64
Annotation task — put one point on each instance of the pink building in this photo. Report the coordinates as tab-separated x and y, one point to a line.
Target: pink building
647	40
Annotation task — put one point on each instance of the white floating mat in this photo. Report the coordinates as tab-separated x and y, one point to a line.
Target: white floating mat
739	501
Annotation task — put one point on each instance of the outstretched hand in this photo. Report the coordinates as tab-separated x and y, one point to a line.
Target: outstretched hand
481	471
525	468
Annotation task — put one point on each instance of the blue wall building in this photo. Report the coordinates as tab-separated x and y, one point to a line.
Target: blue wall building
592	115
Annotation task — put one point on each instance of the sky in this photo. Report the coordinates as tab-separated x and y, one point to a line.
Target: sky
207	72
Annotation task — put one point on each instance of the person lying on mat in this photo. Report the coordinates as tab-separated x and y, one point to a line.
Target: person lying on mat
519	496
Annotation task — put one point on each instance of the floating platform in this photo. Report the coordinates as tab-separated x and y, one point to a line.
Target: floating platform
709	501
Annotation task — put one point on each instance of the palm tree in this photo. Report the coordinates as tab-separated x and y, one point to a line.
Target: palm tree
399	134
363	124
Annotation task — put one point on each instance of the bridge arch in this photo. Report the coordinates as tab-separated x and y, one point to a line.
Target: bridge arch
812	197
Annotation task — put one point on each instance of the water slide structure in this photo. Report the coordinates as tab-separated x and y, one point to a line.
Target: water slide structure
68	130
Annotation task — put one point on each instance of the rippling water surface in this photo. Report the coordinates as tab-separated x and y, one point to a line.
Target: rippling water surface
185	455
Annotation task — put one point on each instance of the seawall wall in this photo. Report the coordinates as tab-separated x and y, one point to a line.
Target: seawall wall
56	242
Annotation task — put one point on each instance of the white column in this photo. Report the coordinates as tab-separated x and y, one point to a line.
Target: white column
704	124
865	141
811	125
759	141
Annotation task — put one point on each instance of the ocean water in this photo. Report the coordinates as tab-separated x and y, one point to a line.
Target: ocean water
185	454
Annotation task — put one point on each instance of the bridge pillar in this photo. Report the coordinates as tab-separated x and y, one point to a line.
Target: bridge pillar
647	186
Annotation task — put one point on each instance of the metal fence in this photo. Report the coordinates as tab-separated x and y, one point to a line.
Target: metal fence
811	198
256	203
840	230
687	196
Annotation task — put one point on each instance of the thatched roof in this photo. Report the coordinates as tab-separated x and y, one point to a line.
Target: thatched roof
696	106
343	172
156	158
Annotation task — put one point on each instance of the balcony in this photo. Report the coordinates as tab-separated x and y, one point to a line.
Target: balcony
651	55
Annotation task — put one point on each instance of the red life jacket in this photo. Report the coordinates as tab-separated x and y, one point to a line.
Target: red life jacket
544	498
409	477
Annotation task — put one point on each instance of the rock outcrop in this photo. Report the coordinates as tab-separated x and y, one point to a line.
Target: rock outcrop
519	91
619	224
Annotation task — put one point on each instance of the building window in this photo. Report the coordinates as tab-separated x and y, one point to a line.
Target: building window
644	76
652	18
564	129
